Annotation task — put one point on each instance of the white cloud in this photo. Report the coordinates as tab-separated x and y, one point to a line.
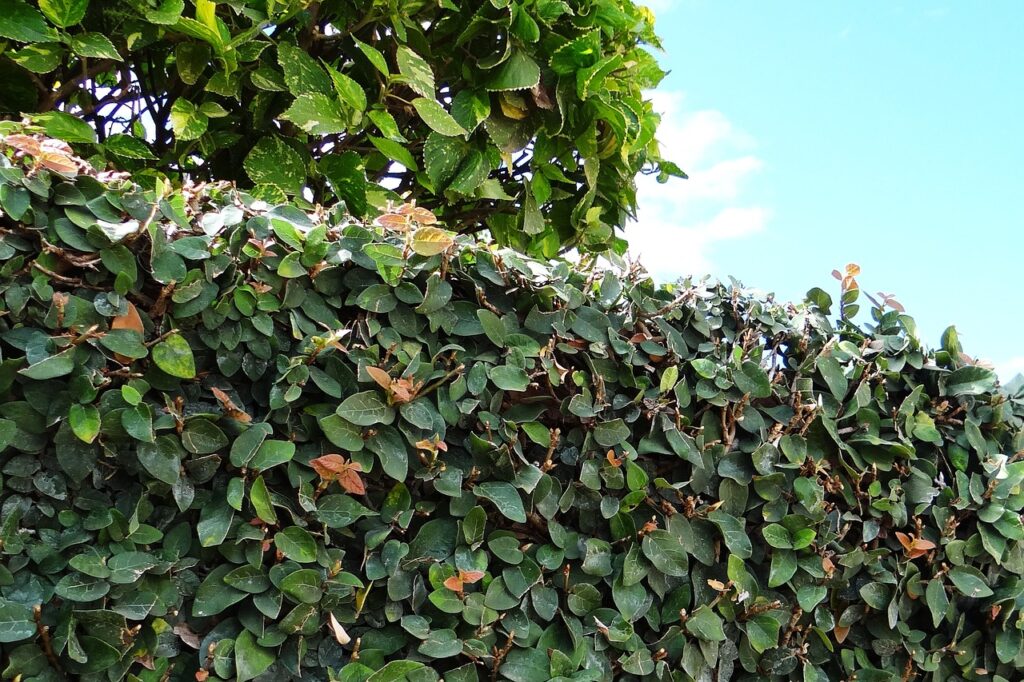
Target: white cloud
1010	368
679	222
669	251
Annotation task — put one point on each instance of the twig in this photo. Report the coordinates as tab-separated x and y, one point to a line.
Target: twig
44	636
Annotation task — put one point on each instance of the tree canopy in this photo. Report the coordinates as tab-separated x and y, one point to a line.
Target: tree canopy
526	118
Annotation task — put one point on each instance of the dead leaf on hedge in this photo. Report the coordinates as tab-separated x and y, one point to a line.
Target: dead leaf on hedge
132	321
340	635
456	582
231	410
915	547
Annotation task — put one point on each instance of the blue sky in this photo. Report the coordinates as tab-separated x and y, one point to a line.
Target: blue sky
816	134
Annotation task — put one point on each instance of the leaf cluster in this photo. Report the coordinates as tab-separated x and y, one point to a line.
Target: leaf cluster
523	118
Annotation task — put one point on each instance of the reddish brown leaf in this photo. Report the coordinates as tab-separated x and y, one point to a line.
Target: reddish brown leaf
130	320
336	468
380	376
23	143
470	577
393	221
454	583
352	482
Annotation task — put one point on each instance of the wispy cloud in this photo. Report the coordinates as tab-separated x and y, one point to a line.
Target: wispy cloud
680	222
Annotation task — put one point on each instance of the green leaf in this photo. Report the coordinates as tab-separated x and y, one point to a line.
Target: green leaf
763	633
128	147
435	116
302	73
350	91
610	434
493	327
16	622
373	55
52	367
366	409
174	356
783	567
389	446
214	596
64	13
706	624
733	533
971	380
251	659
415	72
473	526
296	544
303	585
777	536
248	442
214	523
22	22
505	497
66	127
161	459
81	588
187	122
273	162
261	503
85	422
970	581
394	151
94	45
938	601
518	72
509	378
348	178
317	114
340	511
665	552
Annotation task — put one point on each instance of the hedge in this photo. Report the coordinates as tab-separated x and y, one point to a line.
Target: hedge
244	441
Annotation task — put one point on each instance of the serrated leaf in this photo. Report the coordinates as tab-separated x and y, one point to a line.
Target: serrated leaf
187	122
94	45
435	116
518	72
415	72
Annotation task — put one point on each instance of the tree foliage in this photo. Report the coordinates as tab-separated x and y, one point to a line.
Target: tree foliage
525	117
239	440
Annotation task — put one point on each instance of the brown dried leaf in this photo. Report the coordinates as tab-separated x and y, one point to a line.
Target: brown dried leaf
130	320
231	410
186	635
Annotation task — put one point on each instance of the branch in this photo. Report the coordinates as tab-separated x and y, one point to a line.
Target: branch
71	85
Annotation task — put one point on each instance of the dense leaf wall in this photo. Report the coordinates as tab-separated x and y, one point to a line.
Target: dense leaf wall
244	441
